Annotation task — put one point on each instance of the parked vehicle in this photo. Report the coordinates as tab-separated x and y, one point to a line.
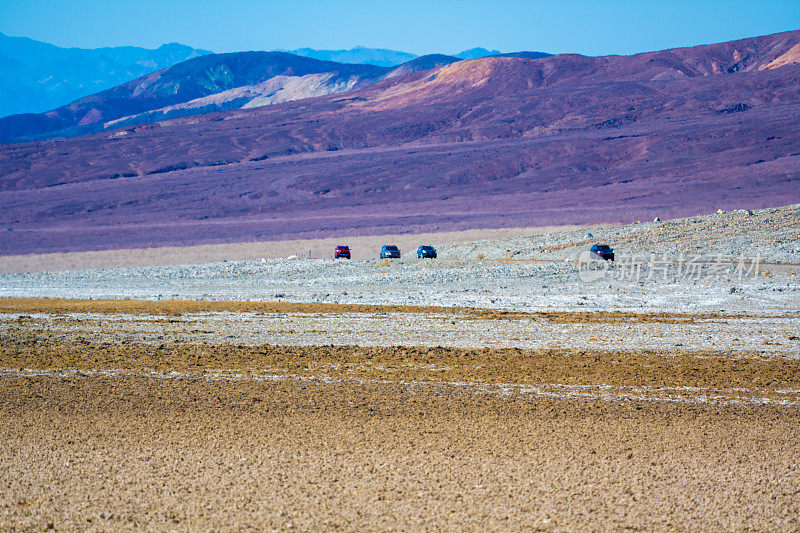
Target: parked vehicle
603	251
341	252
390	251
426	251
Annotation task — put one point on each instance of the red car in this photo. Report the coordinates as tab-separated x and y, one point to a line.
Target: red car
341	252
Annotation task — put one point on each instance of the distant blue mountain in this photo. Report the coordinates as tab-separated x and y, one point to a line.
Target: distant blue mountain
527	55
477	53
391	58
372	56
37	76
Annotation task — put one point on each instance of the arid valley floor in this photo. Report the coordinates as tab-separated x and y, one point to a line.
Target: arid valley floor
490	389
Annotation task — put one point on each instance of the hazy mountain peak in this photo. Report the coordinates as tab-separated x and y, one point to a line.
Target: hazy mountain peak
476	53
42	76
177	46
381	57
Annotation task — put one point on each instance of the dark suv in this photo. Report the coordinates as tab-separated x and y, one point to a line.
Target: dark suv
426	251
341	252
603	251
390	251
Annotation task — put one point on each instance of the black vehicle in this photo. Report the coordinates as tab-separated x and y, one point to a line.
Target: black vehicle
603	251
426	251
390	251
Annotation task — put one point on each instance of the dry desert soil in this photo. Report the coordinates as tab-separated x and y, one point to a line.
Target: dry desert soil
122	430
135	453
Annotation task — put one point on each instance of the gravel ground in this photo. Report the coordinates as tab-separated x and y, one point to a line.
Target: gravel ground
486	283
772	234
736	336
533	272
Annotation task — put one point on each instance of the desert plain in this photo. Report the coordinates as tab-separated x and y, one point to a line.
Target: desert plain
490	389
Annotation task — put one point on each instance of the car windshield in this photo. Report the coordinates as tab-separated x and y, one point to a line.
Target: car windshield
603	248
340	247
427	248
391	247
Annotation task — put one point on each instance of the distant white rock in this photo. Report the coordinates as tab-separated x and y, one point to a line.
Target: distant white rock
276	90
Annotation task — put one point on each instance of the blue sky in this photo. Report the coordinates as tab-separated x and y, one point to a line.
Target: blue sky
593	27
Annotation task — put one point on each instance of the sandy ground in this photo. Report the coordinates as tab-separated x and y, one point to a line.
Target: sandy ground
108	454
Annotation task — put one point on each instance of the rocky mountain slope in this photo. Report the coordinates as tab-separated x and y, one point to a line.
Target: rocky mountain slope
185	82
493	142
216	82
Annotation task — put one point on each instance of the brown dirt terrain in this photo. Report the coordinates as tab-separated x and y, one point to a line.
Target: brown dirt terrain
133	435
24	350
178	307
109	454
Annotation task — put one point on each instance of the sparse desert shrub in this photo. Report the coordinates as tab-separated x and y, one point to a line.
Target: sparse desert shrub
481	256
383	263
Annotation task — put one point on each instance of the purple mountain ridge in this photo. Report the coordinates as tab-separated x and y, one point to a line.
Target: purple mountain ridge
196	78
215	82
493	142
